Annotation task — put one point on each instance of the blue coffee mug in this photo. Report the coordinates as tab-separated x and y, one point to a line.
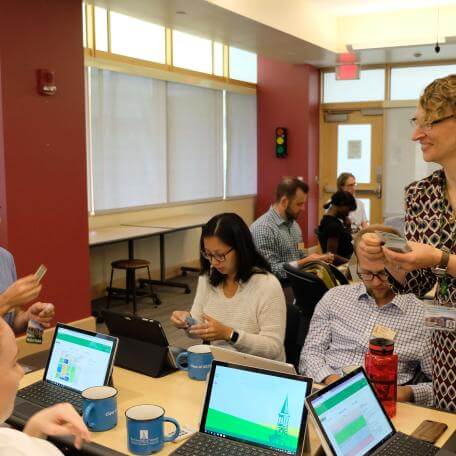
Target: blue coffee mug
99	405
199	360
145	429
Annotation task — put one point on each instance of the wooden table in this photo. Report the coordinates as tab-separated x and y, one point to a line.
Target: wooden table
182	399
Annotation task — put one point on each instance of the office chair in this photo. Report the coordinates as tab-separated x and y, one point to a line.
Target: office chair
308	288
293	335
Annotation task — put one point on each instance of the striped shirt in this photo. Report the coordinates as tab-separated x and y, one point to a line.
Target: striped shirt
277	240
342	325
257	312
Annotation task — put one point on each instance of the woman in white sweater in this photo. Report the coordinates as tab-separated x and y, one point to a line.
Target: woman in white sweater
238	302
61	419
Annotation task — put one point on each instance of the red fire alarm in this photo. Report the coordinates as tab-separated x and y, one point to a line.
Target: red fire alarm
46	82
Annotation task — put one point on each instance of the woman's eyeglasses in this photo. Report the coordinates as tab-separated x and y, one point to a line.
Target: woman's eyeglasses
382	275
220	257
427	126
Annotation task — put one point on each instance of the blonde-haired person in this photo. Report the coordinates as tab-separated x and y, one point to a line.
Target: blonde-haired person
430	228
61	419
346	182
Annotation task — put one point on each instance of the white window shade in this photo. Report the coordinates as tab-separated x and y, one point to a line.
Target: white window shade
195	154
128	126
241	118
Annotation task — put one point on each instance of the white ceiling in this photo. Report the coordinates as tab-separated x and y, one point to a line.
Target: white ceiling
208	20
350	7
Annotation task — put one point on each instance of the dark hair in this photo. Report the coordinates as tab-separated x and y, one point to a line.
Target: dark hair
341	198
343	177
288	187
232	230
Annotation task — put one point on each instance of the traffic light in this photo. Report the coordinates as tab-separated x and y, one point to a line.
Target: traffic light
281	142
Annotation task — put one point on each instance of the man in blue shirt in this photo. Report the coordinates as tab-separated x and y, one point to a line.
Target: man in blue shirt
348	316
14	293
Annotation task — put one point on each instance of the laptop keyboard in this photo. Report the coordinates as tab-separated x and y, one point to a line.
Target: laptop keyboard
47	394
404	445
208	445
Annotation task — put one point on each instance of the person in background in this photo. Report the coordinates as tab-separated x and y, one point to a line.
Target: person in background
276	233
346	317
346	182
334	231
238	304
430	228
15	293
61	419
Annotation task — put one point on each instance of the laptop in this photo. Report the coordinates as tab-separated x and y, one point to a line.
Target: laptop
139	335
78	359
351	421
245	359
250	411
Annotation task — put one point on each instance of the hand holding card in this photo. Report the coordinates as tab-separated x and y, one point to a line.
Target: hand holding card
40	272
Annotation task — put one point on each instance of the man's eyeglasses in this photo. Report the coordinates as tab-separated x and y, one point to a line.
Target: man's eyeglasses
427	126
382	275
220	257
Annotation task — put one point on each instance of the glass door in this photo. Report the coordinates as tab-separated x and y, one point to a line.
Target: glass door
353	142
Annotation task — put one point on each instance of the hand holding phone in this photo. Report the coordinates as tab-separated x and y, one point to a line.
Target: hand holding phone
394	242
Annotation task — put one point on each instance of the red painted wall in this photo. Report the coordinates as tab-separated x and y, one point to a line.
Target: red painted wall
288	96
42	150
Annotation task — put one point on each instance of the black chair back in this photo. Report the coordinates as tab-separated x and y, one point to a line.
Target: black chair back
293	335
307	287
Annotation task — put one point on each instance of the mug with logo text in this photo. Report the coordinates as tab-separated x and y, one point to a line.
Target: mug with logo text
145	429
99	405
199	359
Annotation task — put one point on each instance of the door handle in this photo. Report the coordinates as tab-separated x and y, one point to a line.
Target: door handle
379	180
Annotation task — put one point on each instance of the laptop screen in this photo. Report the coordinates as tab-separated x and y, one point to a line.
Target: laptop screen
257	407
351	416
79	360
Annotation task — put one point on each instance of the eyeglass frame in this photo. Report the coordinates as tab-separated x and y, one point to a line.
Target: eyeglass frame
219	257
428	126
373	274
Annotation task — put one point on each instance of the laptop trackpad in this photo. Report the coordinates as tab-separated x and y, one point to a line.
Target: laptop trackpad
25	409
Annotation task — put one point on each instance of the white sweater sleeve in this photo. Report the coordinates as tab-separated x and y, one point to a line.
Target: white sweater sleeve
16	443
197	309
271	316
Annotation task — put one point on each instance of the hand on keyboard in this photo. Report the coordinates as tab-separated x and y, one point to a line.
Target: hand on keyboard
61	419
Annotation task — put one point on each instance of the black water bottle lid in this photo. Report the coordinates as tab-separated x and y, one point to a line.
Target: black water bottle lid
381	346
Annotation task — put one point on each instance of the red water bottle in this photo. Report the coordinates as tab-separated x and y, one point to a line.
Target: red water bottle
381	368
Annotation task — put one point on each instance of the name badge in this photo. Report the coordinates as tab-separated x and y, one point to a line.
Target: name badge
301	246
383	332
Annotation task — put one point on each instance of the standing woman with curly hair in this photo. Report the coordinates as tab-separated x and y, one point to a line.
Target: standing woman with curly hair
430	228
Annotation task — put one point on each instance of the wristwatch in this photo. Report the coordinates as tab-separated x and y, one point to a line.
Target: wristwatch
234	337
441	269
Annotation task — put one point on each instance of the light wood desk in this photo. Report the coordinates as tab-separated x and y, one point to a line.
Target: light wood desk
182	399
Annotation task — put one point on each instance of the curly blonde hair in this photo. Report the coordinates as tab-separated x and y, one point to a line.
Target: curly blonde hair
439	98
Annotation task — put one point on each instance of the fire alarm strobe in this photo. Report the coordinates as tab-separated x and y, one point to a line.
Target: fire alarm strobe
46	82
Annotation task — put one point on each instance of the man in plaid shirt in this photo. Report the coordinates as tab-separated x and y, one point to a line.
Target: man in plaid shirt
346	317
276	233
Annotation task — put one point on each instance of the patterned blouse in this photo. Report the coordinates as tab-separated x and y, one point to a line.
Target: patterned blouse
429	219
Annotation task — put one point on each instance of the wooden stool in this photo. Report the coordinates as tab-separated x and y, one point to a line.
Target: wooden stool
130	266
